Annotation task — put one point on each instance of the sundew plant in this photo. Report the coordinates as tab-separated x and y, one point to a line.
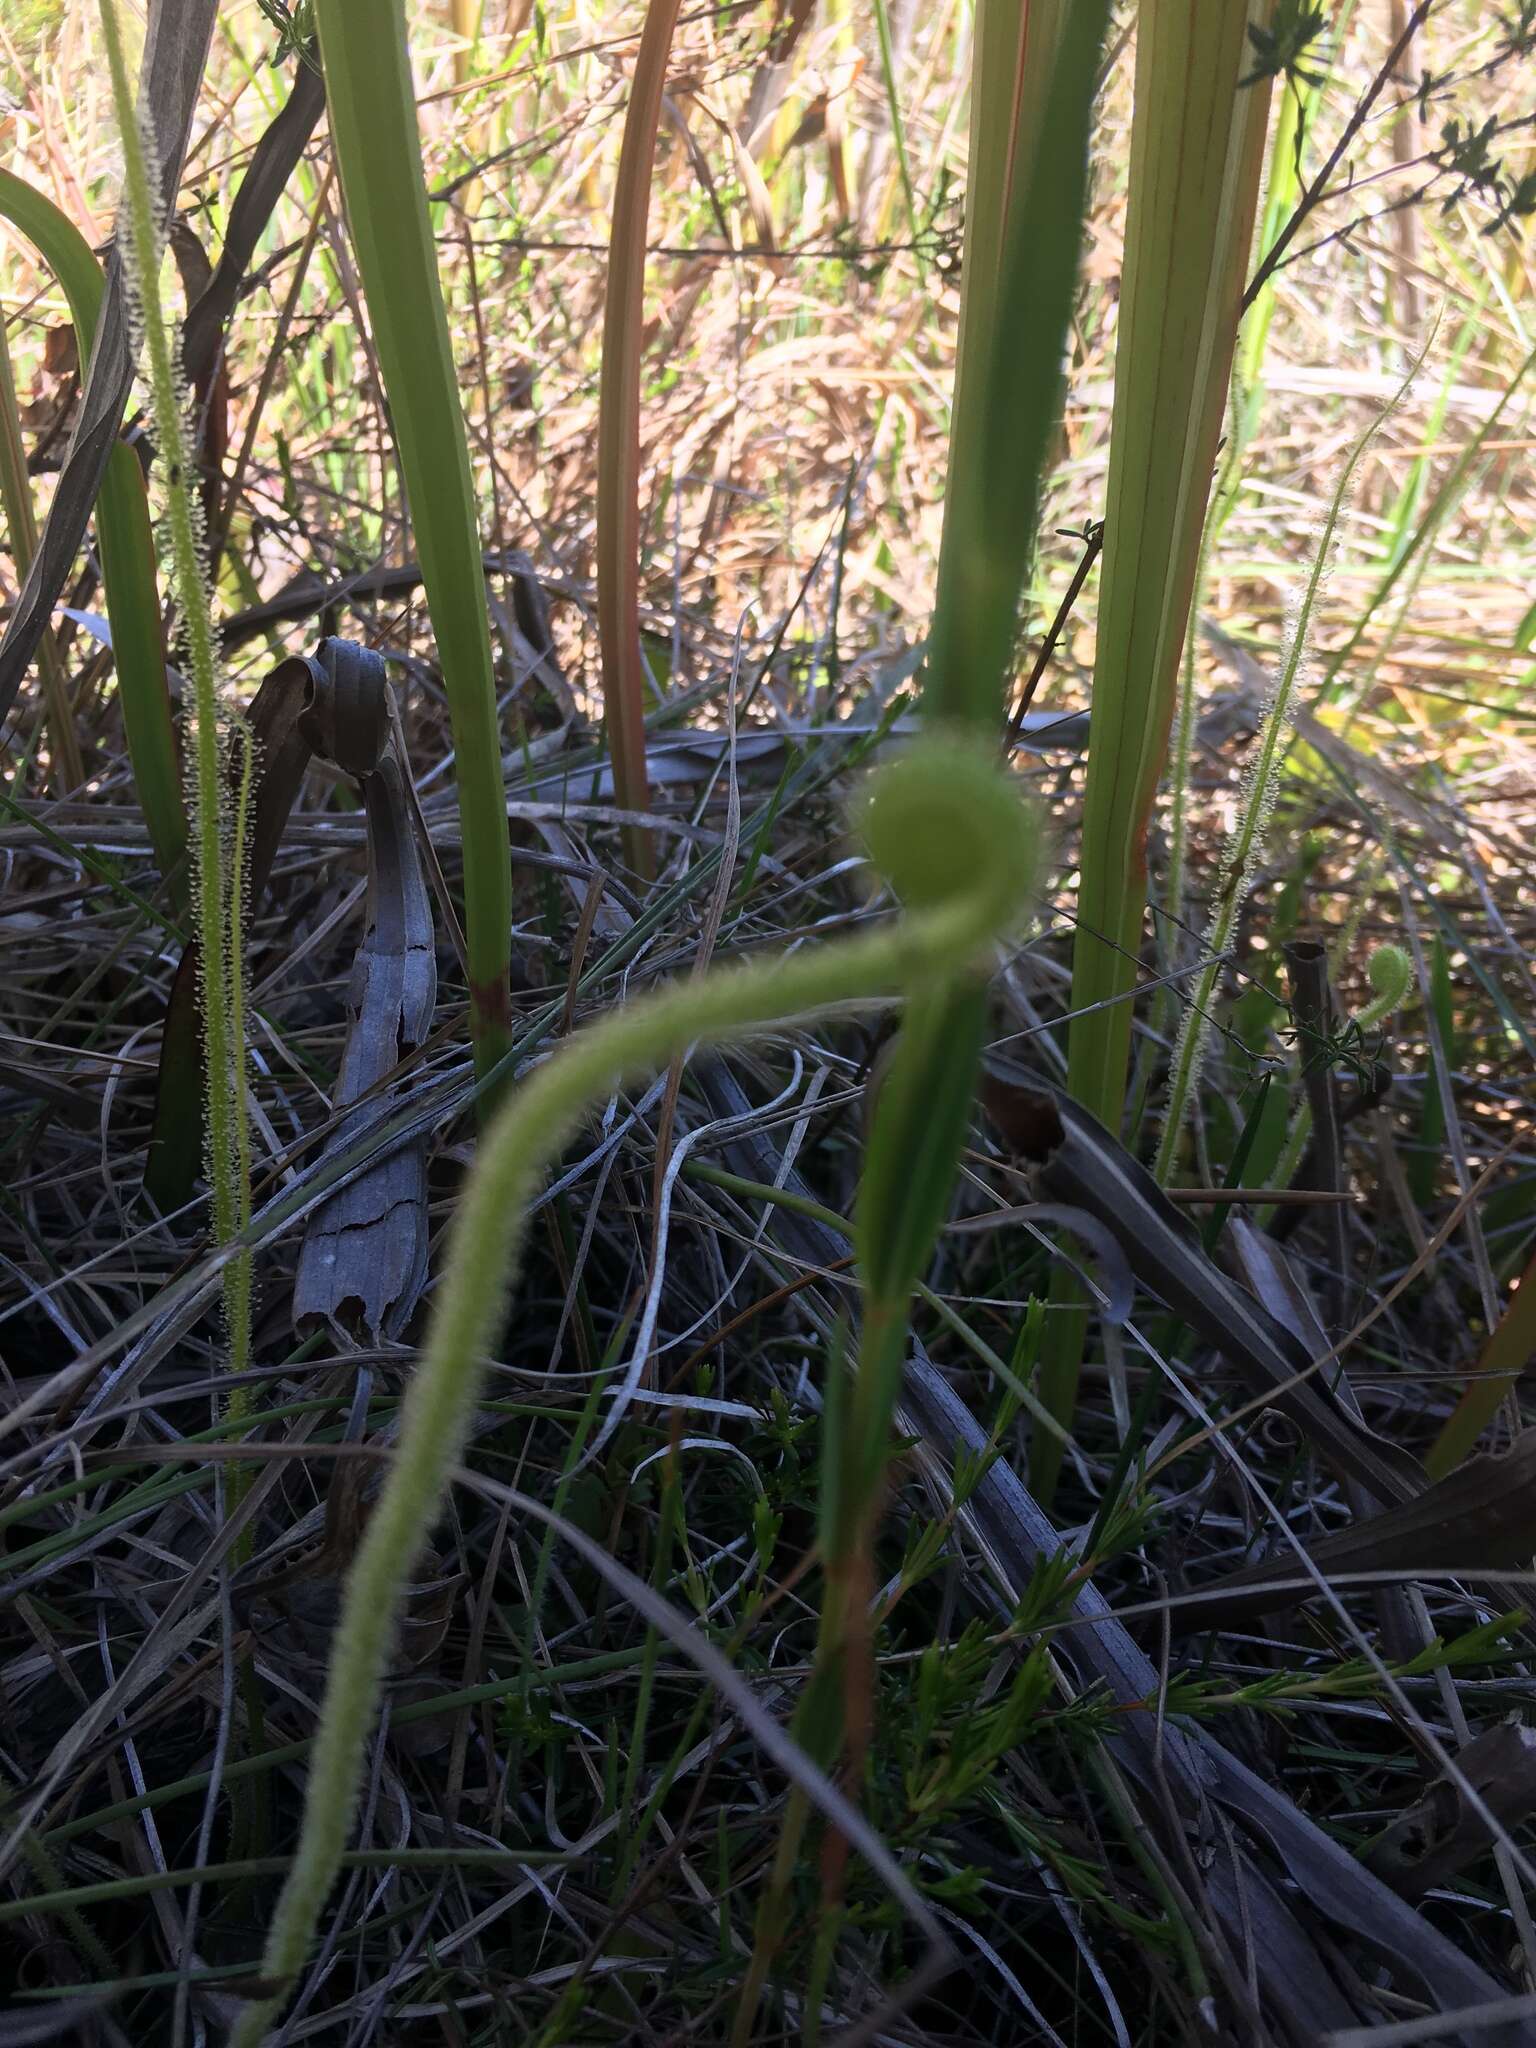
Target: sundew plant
766	1043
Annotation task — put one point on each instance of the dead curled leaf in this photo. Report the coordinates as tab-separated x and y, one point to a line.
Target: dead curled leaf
363	1262
1439	1834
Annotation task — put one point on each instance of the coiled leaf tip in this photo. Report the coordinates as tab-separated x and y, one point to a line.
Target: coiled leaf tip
946	821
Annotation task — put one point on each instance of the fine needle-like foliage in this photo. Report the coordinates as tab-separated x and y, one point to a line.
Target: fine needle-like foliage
372	106
218	838
945	824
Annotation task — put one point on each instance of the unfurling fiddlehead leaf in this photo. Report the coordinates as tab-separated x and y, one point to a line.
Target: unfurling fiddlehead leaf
948	828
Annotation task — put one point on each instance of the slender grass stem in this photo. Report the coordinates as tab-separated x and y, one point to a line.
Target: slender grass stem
618	433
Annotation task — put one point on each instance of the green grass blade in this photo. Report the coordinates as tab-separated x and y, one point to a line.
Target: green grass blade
618	433
127	548
378	155
898	125
1014	45
1196	155
1010	385
1031	206
1295	115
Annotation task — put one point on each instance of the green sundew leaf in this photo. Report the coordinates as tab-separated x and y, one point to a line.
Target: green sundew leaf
1196	155
127	548
934	853
372	107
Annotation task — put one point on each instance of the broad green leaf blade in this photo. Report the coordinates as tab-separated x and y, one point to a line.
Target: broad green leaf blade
378	155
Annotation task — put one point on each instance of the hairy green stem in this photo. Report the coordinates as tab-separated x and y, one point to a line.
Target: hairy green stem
237	1283
945	810
217	888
